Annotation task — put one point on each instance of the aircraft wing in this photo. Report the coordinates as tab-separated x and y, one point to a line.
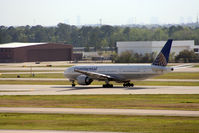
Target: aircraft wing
95	75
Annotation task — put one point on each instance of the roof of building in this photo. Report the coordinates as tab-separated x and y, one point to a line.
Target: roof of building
18	44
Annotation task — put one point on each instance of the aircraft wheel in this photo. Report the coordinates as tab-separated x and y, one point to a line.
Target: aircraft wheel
107	86
132	85
128	84
73	85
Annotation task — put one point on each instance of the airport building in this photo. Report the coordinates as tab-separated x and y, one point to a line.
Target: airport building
32	52
143	47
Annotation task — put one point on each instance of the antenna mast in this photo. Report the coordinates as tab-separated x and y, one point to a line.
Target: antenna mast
100	20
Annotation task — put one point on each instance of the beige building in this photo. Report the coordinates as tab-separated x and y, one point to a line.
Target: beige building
142	47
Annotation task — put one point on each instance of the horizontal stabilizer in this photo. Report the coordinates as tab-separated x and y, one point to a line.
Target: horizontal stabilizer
182	66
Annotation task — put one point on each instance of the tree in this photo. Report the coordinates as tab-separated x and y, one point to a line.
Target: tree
125	57
187	56
94	38
84	36
160	34
126	33
88	36
64	31
130	57
172	57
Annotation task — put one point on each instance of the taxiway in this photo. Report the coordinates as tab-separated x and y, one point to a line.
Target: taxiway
99	111
93	89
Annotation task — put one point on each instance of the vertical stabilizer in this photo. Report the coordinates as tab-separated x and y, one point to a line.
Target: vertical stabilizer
163	57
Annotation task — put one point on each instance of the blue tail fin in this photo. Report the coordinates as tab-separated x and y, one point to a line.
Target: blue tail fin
163	57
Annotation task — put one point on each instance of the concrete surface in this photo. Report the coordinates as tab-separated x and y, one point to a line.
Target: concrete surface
32	72
33	68
93	89
65	79
99	111
38	79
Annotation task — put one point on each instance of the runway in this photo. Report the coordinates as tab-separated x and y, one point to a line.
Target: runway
65	79
99	111
93	89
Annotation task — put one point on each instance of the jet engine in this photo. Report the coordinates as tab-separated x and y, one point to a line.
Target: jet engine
84	80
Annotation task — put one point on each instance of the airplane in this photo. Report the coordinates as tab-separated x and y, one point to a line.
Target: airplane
120	73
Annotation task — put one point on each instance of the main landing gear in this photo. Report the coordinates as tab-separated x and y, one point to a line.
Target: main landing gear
107	85
128	84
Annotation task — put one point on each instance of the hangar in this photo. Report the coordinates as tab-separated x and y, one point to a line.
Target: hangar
143	47
32	52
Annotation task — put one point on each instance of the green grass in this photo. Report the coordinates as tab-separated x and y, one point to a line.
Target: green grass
150	101
114	123
196	66
179	75
174	75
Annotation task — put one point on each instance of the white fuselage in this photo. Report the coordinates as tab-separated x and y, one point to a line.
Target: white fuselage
121	71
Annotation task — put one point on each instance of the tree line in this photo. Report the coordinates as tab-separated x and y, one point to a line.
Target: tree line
184	56
95	36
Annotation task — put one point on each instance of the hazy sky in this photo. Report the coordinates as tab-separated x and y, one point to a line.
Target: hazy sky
113	12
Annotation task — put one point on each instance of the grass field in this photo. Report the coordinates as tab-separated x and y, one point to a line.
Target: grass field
174	75
163	101
179	75
196	66
134	124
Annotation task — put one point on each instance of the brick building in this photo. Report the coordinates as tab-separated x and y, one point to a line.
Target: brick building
32	52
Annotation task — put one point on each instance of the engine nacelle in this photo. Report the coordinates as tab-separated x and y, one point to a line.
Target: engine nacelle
84	80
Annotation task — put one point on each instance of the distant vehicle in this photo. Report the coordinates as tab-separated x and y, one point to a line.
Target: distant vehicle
37	62
121	73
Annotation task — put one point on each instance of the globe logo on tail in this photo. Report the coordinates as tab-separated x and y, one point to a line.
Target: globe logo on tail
163	57
160	60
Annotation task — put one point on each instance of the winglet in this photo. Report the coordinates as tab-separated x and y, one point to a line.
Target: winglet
163	57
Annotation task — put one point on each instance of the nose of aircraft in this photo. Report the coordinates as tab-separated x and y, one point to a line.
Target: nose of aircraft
67	71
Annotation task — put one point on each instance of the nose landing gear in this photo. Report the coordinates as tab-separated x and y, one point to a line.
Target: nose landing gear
107	85
73	83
